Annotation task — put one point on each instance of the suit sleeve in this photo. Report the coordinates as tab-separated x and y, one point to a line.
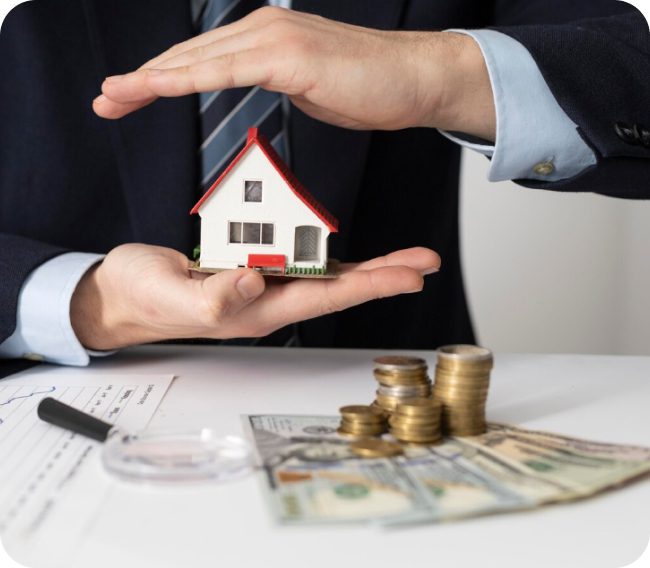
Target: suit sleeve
19	256
595	57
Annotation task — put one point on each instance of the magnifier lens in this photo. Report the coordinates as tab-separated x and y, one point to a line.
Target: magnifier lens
177	457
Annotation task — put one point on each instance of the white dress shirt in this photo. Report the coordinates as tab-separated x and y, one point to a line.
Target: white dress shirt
535	140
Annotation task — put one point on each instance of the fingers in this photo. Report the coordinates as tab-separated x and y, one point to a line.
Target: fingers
422	259
232	43
359	286
126	93
226	293
124	96
107	108
306	299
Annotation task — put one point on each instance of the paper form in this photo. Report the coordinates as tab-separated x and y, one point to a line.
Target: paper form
50	477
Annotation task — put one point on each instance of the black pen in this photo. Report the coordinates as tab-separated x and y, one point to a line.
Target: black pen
60	414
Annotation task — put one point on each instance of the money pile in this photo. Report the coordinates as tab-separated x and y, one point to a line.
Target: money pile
400	378
361	421
461	386
417	421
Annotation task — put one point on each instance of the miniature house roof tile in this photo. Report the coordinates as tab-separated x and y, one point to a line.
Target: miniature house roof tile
254	137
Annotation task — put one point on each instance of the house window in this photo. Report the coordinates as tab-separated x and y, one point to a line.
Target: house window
252	191
251	233
234	229
267	233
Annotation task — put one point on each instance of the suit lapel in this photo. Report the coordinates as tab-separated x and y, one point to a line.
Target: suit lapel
156	147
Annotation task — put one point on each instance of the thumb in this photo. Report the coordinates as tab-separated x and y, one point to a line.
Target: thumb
229	291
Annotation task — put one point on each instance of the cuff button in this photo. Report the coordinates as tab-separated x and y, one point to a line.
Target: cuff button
33	357
544	168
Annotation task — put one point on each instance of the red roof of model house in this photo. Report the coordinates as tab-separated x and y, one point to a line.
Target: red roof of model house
254	137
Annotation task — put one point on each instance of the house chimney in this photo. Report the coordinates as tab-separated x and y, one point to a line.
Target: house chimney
252	134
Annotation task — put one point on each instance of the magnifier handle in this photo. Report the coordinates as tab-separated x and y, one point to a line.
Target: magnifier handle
60	414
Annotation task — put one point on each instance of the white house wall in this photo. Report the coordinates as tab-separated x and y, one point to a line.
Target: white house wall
280	206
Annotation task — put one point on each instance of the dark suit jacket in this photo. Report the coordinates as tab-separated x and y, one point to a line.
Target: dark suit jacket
72	181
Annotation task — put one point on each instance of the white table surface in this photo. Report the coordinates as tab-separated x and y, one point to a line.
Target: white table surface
595	397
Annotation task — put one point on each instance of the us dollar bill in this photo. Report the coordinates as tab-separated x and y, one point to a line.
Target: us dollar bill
311	476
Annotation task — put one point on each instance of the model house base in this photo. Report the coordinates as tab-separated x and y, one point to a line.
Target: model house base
330	271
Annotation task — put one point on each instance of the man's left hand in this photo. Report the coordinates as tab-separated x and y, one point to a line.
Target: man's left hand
342	74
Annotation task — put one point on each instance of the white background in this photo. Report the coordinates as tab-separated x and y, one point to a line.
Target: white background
554	272
549	272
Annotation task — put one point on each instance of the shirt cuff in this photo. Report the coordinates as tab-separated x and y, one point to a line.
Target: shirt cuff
43	328
535	138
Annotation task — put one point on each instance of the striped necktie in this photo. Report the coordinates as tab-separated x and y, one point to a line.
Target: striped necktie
225	116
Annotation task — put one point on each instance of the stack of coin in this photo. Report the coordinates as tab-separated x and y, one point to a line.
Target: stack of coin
362	421
461	385
417	421
372	448
400	378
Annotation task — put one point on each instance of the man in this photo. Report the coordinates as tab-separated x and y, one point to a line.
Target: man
560	88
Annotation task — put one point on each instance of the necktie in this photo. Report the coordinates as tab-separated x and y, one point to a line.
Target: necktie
225	116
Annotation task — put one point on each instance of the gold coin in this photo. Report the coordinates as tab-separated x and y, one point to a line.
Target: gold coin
467	385
451	398
419	407
391	380
462	377
461	401
390	401
376	449
465	422
417	436
403	374
362	413
464	353
413	421
459	393
388	408
399	362
354	436
466	370
427	438
356	428
462	382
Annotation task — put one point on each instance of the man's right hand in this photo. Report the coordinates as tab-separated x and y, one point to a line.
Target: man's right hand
142	293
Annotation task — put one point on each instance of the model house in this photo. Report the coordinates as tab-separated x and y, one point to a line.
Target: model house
257	214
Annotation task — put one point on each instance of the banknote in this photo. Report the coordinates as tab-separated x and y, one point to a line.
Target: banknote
311	476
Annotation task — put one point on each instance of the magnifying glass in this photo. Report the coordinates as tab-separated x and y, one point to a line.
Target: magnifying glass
156	457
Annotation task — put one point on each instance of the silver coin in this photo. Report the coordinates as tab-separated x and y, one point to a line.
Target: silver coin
405	392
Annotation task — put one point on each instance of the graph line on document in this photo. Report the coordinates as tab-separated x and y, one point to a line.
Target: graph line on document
31	394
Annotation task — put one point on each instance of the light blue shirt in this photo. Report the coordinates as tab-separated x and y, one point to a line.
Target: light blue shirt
535	140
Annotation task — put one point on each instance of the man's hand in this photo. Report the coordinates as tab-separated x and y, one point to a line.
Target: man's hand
143	293
345	75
